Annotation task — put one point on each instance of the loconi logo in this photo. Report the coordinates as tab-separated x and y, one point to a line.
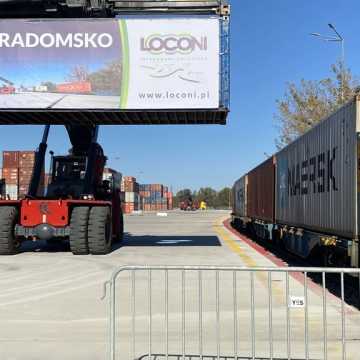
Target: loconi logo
56	40
171	44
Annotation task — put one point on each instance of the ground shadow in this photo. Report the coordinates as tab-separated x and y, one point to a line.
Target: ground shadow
128	241
44	247
170	240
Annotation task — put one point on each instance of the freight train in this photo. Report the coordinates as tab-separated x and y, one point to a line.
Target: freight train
306	197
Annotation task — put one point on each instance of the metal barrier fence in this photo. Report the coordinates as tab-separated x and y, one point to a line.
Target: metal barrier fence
210	312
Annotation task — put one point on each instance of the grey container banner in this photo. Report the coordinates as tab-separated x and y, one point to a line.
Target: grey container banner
316	176
240	196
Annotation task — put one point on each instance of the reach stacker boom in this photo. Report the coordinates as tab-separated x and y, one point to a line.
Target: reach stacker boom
8	88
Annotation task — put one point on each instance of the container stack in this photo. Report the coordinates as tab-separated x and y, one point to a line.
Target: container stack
169	198
155	197
17	171
131	193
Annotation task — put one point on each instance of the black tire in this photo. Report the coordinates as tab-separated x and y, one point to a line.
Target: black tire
8	219
100	230
79	230
120	236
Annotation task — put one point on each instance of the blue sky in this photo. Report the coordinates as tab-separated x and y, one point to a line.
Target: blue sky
270	46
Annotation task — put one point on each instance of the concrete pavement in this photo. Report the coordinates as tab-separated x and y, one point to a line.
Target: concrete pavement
50	305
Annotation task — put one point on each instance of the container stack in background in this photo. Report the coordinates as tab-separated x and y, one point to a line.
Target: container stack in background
17	171
155	197
149	197
169	198
131	194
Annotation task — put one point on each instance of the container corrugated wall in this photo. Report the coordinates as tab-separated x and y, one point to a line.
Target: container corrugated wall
239	196
261	192
316	177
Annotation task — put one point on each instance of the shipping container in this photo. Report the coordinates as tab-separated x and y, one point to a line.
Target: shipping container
132	197
190	87
12	191
11	175
261	192
10	159
79	87
129	178
240	197
317	176
26	159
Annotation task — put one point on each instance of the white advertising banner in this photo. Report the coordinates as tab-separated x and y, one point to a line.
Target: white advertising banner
132	63
173	63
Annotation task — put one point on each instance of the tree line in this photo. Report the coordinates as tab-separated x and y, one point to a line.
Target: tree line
215	199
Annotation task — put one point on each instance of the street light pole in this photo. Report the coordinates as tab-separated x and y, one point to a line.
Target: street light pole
338	38
341	39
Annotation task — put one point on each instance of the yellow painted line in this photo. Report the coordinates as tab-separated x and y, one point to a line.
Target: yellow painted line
247	260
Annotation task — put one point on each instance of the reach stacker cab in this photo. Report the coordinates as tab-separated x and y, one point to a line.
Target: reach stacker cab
79	205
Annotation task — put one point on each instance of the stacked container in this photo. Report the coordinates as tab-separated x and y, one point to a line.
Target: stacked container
130	188
10	173
156	197
17	171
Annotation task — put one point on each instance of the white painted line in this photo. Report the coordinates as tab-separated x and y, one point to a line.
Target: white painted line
172	242
162	214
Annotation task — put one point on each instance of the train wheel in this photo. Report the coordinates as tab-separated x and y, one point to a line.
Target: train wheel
8	219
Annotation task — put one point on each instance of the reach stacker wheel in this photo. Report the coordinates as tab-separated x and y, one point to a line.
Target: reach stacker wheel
8	219
100	230
79	230
120	235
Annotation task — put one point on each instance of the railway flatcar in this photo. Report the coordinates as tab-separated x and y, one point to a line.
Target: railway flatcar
306	198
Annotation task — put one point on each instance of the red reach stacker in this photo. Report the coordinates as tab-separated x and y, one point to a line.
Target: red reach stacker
8	88
78	206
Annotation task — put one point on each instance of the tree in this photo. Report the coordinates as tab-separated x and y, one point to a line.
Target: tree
306	104
207	194
182	195
78	73
108	79
223	198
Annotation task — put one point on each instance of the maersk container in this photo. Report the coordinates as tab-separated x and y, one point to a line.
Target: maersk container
143	69
317	177
239	197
